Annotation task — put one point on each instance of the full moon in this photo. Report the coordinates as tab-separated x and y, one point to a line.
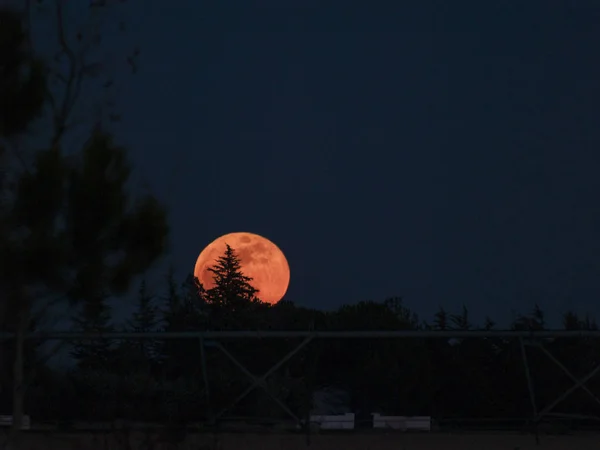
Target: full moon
260	259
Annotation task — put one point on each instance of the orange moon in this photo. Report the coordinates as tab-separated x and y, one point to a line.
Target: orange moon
260	259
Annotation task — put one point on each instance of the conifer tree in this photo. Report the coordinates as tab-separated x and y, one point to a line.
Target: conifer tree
182	309
144	320
181	313
488	324
461	321
232	288
538	315
94	317
144	317
440	321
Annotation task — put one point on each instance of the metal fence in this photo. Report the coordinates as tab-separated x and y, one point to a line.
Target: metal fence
219	341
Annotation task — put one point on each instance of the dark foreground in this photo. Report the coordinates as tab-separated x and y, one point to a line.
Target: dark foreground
352	441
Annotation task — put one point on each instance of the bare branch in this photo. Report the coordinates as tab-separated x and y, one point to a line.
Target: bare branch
69	99
62	40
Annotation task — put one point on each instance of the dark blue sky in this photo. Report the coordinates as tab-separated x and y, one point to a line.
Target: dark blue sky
447	152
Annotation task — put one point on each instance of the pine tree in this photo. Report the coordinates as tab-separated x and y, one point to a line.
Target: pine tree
193	291
173	299
535	321
232	288
183	304
94	317
571	321
170	319
440	321
539	317
181	313
488	323
144	320
461	321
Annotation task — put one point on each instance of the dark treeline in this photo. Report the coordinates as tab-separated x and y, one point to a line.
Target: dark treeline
162	381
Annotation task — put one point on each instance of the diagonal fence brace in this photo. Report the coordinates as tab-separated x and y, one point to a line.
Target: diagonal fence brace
203	345
261	381
530	387
579	383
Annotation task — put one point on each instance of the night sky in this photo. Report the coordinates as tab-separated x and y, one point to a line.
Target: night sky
446	152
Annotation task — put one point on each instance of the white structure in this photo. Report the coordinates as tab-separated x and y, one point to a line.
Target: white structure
7	421
404	423
334	422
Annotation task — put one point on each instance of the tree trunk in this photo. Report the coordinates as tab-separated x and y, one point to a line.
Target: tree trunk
18	373
4	375
18	385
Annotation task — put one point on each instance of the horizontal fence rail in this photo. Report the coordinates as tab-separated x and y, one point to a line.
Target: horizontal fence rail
414	334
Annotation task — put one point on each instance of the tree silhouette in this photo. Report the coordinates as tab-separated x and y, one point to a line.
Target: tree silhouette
144	317
144	320
461	321
441	320
94	317
22	77
447	379
181	313
232	288
68	227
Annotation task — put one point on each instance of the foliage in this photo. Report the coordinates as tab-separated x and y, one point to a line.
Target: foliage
477	377
144	320
446	379
78	232
483	377
71	225
232	288
94	317
69	228
22	77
